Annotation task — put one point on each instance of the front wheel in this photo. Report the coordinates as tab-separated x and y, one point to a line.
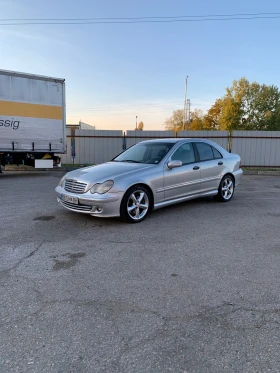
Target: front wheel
226	189
135	204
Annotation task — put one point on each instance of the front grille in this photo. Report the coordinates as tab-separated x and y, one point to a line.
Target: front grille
74	186
73	206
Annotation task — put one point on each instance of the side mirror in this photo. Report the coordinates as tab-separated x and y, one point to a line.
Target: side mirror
174	164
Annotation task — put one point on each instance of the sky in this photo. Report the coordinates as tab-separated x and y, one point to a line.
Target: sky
115	72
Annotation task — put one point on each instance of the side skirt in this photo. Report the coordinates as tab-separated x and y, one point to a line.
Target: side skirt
182	199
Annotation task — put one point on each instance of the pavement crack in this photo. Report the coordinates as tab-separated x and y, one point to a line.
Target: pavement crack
19	262
27	257
121	241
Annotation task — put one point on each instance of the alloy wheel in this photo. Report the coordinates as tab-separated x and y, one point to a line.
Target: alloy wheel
137	205
227	188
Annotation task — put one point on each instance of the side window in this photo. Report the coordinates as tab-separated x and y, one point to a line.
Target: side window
184	153
216	153
204	151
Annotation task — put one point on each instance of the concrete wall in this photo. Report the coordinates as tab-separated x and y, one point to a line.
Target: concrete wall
85	126
81	126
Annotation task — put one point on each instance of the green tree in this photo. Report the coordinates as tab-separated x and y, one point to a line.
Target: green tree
272	122
212	119
246	106
139	126
197	120
176	121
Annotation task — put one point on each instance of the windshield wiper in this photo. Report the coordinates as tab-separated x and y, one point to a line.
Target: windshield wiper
130	160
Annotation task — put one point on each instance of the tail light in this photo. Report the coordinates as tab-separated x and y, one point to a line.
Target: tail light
240	163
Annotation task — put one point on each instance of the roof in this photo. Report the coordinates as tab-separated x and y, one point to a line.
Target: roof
183	139
175	140
172	139
31	76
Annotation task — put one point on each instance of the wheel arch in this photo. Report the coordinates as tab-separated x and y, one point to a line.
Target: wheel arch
149	190
229	174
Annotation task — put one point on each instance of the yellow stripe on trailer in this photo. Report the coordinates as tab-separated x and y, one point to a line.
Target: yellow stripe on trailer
21	109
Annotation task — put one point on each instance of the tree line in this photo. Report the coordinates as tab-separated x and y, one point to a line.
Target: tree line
245	106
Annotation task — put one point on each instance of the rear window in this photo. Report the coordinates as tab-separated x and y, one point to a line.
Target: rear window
216	153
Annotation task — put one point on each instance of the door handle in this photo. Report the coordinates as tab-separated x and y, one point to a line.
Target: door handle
196	168
220	163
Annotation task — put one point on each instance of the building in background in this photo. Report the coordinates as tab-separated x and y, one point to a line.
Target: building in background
81	126
71	141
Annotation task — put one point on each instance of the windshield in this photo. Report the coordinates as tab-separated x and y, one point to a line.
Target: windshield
150	153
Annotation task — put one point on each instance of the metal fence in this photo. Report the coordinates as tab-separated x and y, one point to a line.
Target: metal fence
98	145
133	137
220	137
67	158
92	146
256	148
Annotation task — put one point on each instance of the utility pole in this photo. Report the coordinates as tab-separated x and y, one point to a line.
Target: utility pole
188	110
185	105
136	123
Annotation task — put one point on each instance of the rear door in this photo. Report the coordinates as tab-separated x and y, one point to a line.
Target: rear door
211	164
185	180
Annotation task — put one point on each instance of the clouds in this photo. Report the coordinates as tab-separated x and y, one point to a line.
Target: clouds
32	34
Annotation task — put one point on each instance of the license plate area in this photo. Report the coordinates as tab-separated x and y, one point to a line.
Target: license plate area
70	199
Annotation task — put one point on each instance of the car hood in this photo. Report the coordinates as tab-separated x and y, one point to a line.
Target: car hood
107	171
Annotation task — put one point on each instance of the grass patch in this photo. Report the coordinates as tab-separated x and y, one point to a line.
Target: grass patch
261	169
70	165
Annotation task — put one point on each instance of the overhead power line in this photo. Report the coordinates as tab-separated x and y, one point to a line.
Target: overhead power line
141	18
128	107
134	20
116	114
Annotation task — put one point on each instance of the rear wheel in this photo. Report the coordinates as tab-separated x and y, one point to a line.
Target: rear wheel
135	204
226	189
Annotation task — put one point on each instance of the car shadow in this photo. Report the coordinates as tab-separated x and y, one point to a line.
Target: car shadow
187	204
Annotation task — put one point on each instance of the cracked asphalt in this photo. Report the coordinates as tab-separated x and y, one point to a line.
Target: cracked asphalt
194	288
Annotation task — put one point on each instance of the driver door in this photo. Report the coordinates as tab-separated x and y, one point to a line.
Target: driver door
185	180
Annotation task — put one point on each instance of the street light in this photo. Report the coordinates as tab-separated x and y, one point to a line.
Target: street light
136	123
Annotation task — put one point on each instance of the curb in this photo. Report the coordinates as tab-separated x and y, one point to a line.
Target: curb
262	173
57	169
34	169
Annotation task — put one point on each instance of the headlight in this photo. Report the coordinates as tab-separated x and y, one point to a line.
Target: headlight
62	181
102	188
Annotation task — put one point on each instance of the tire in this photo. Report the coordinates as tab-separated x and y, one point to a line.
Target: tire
226	189
136	204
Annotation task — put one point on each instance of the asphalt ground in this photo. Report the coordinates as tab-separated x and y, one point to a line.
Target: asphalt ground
193	288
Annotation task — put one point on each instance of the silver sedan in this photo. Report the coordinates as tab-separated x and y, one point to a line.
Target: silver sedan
150	175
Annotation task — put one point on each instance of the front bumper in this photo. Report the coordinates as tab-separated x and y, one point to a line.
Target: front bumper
103	205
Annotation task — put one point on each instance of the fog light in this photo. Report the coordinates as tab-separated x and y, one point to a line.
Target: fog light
99	209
